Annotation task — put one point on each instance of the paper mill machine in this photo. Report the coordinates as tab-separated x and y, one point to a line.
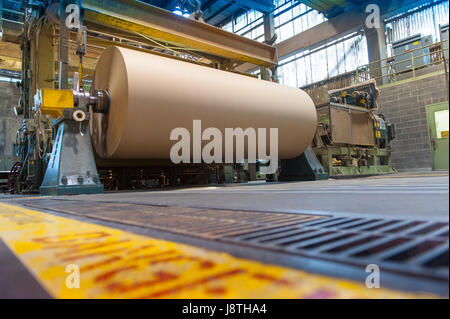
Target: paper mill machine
149	56
352	138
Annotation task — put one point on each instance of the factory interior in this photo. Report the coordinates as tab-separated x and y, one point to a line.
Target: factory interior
224	149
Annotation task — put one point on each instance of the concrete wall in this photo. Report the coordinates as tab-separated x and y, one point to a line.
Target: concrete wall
404	105
9	123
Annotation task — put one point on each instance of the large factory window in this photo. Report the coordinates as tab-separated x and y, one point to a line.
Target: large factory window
290	18
337	57
249	25
8	79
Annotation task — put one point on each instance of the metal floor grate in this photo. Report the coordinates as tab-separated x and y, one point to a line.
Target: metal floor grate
208	223
419	248
406	246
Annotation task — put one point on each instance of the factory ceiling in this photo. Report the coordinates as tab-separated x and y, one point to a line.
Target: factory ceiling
219	12
331	8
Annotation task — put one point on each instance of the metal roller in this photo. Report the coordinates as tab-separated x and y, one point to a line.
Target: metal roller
150	95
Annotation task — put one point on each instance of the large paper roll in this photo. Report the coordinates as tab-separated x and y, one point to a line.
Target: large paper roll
151	95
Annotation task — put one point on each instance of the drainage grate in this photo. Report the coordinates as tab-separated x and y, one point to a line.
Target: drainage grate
206	223
413	247
405	246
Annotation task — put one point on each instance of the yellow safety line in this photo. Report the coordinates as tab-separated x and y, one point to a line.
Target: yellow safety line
117	264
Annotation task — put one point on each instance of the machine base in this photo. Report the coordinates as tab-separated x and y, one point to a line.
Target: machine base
70	190
340	161
305	167
72	168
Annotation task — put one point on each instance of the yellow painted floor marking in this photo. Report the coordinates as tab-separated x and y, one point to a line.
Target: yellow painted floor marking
118	264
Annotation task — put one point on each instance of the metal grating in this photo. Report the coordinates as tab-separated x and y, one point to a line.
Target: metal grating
406	246
205	223
419	248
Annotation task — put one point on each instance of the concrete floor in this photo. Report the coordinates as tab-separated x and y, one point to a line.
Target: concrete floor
423	196
409	196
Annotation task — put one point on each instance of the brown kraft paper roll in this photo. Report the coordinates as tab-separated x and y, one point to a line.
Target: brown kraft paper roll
151	95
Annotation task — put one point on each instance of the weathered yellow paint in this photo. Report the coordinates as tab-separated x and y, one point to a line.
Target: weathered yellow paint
118	264
177	39
54	101
10	63
10	56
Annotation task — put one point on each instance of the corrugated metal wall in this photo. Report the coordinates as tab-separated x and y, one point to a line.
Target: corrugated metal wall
425	21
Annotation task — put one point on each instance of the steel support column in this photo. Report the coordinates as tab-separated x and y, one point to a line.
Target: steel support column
376	47
269	38
45	58
63	46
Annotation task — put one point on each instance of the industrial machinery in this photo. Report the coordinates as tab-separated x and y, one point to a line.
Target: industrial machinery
404	48
90	126
351	138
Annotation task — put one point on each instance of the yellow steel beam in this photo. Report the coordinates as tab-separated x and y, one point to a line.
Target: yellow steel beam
100	44
162	25
10	63
10	56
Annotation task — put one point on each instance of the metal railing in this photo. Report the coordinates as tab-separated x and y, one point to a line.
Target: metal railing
9	15
403	66
394	69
